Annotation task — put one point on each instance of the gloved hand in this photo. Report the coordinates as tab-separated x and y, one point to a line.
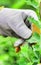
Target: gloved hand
14	20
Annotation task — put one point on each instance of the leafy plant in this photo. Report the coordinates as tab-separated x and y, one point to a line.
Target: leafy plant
29	54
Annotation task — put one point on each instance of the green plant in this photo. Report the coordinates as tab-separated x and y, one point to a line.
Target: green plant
29	54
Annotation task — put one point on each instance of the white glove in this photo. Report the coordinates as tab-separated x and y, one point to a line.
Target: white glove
13	19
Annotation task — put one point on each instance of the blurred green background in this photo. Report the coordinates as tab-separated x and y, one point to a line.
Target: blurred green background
29	55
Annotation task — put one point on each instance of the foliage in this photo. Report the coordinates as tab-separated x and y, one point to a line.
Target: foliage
26	55
29	55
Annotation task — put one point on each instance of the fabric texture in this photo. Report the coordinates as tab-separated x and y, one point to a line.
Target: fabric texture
11	19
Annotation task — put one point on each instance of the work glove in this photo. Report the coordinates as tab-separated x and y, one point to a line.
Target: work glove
14	20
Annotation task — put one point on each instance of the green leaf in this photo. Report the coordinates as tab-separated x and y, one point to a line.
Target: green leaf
37	23
19	4
32	3
35	38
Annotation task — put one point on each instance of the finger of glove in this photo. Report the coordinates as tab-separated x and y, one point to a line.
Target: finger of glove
18	42
31	13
